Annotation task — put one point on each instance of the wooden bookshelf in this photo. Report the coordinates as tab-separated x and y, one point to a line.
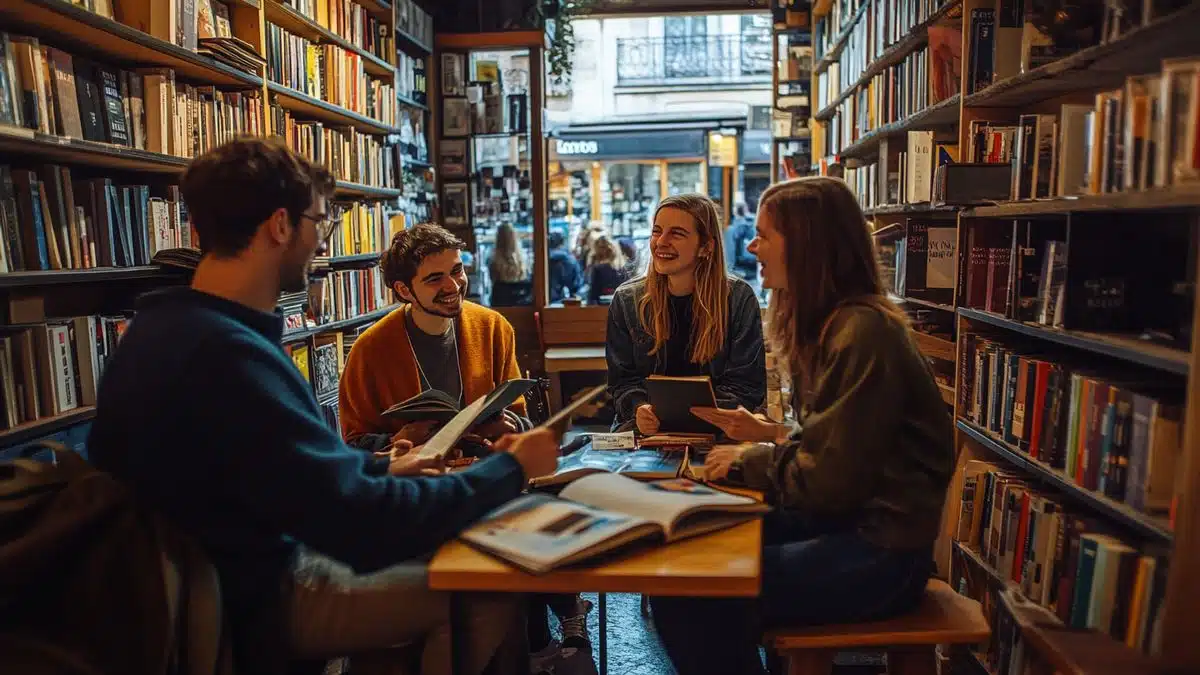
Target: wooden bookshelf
1119	347
894	54
1113	511
307	106
1085	223
45	426
1184	197
835	50
939	115
333	326
411	45
349	189
37	279
405	100
69	26
348	261
76	29
296	23
80	152
1104	66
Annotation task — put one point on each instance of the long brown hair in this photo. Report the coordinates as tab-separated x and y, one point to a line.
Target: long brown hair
710	301
831	263
604	250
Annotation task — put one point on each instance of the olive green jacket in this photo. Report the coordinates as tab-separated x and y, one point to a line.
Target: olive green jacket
875	450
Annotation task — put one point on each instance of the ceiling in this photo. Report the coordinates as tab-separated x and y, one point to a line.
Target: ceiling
677	6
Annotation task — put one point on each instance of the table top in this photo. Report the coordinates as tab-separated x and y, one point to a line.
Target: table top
727	563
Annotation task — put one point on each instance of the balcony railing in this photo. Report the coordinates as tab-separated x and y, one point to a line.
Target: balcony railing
693	59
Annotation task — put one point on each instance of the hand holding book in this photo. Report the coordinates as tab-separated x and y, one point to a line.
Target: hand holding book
739	425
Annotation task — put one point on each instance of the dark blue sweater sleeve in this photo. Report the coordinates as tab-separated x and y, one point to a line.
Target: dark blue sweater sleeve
277	455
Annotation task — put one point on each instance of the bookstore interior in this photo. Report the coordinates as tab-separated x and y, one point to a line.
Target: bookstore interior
1029	172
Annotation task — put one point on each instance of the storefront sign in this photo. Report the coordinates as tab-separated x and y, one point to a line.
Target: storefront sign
574	148
722	150
669	143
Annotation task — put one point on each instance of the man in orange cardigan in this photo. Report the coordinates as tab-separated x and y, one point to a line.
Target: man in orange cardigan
436	340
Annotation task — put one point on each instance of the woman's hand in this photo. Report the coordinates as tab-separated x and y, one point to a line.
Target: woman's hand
720	459
647	421
415	433
739	425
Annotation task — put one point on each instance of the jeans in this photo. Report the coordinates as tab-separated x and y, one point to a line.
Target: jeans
812	574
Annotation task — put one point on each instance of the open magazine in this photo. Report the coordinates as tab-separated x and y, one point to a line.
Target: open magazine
639	464
601	513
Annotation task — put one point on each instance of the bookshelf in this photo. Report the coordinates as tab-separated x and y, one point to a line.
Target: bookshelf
229	70
1065	269
793	53
492	158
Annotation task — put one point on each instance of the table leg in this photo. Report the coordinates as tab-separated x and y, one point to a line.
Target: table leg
556	402
603	633
458	645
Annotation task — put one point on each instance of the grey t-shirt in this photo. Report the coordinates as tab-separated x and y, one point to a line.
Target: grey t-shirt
437	357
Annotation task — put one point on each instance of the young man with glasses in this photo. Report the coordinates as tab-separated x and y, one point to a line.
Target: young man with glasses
210	423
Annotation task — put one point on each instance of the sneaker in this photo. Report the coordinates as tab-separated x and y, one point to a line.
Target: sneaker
574	628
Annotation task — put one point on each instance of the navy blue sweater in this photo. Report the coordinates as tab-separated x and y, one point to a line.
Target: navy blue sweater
203	413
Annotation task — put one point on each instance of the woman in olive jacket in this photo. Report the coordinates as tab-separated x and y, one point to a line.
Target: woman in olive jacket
859	487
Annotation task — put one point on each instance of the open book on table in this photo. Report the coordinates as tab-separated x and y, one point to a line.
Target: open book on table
601	513
647	464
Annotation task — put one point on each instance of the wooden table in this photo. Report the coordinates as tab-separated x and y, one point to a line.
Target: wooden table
721	564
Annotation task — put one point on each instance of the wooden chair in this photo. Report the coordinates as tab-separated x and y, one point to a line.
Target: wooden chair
943	617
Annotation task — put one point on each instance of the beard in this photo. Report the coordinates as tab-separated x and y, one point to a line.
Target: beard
293	278
436	309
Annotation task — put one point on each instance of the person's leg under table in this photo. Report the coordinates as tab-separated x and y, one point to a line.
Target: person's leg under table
334	612
832	578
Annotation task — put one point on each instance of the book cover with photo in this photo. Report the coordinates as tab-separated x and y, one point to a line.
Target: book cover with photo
601	513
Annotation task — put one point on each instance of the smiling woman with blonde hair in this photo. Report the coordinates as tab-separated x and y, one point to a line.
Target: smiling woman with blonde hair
859	486
687	316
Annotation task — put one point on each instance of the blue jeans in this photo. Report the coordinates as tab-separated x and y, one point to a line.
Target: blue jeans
812	574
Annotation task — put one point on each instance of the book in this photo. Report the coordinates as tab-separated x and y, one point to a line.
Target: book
484	408
438	406
648	464
673	399
600	514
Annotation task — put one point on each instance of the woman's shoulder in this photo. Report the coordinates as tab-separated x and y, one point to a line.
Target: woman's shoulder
630	290
740	289
861	325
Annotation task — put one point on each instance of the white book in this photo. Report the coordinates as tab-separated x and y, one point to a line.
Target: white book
1073	142
920	167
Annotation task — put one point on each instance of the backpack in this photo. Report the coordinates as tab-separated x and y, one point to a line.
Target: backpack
91	583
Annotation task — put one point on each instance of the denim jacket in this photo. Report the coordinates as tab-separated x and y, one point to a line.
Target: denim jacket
738	372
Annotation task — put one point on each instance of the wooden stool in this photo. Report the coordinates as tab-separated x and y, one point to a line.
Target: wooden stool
943	617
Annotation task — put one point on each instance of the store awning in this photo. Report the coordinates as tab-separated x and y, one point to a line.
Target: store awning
756	146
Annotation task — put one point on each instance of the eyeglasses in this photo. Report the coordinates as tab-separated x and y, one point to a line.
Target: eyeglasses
328	222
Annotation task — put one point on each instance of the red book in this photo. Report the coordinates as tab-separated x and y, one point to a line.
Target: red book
1019	542
1039	406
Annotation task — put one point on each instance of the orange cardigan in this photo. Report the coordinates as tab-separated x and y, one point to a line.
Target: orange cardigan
381	371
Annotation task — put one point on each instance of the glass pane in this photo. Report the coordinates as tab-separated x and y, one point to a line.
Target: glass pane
684	178
629	192
570	201
500	255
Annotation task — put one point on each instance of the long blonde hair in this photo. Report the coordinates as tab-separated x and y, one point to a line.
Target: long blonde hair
710	301
507	264
605	250
831	263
